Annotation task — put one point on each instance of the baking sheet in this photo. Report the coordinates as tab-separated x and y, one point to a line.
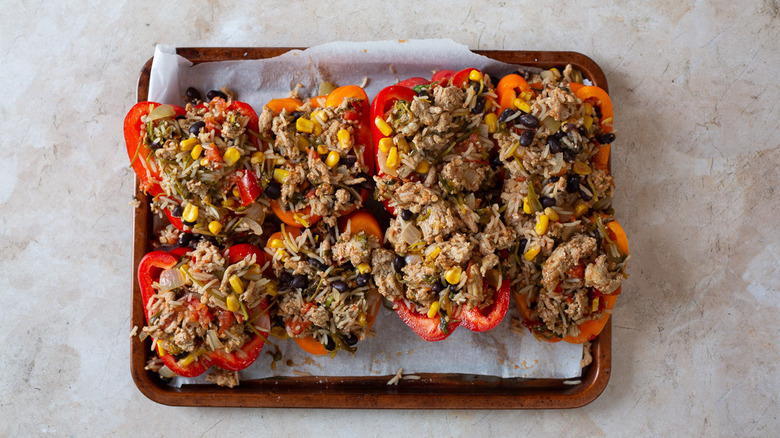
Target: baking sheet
500	352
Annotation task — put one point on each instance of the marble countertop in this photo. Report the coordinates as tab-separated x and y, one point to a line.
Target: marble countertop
695	90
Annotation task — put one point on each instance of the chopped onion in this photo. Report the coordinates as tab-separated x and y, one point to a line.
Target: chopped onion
166	372
160	112
412	259
171	279
216	344
551	124
256	212
411	234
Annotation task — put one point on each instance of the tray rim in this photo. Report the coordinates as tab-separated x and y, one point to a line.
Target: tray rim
432	391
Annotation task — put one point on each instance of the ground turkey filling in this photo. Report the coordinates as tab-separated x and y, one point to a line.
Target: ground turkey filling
317	162
198	157
557	199
326	286
448	231
193	317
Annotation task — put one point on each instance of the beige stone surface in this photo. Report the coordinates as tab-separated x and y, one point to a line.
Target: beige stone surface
695	90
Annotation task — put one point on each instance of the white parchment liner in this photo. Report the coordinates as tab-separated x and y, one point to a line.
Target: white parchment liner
500	352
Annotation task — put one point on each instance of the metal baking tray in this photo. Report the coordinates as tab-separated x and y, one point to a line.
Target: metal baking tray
431	391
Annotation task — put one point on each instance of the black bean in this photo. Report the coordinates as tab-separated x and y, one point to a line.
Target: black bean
348	161
553	179
184	239
507	113
585	195
495	161
196	127
177	211
351	340
547	202
569	127
559	135
194	239
316	264
188	223
399	263
573	183
479	106
597	112
193	95
521	245
362	279
424	93
569	155
453	288
299	281
285	278
583	131
181	117
296	114
605	138
340	286
554	144
211	239
368	182
157	143
278	321
215	93
527	137
180	356
274	190
407	215
437	287
529	120
330	344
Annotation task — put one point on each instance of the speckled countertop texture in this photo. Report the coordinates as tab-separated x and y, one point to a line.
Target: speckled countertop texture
697	164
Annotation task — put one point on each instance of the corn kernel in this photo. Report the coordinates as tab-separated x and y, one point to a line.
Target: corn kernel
385	144
215	227
552	214
364	268
317	129
527	206
204	162
272	289
190	213
580	208
522	105
362	320
280	175
304	125
588	122
257	158
491	120
434	310
196	151
345	139
188	144
279	161
276	243
282	255
333	159
588	108
187	361
319	116
232	303
298	218
255	269
160	349
392	158
556	72
231	155
403	146
475	75
423	167
322	149
453	275
236	284
384	128
595	305
229	203
581	168
532	253
184	269
541	224
236	192
526	95
435	253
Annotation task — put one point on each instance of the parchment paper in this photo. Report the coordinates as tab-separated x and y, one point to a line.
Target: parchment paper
500	352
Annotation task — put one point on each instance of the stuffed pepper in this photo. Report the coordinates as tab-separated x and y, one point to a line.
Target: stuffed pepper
317	156
434	155
569	260
328	299
206	307
200	164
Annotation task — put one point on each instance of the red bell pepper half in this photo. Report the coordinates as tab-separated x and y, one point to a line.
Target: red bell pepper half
428	329
482	320
149	270
140	153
